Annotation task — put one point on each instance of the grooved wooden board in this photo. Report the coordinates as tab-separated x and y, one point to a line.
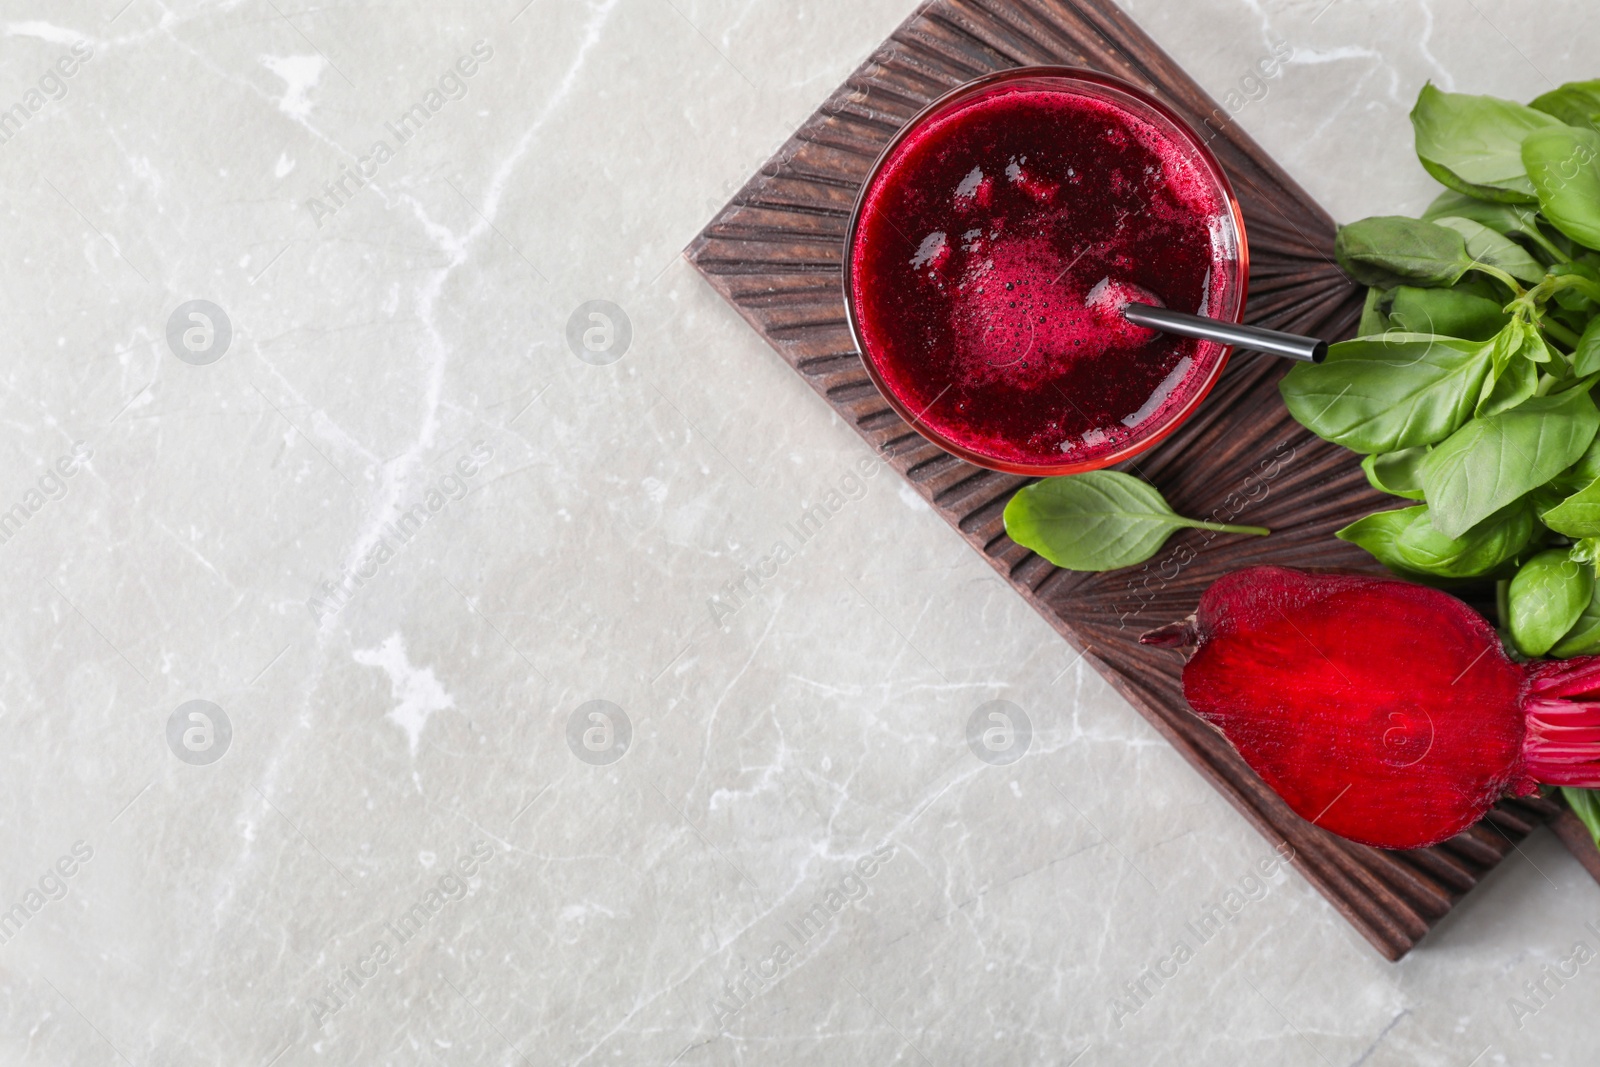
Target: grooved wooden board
774	253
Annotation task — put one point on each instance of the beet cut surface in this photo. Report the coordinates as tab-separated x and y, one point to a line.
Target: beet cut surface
1383	711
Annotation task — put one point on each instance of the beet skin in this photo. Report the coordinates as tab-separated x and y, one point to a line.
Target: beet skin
1383	711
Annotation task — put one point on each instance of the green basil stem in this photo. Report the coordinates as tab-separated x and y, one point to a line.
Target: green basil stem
1501	276
1259	531
1559	332
1551	284
1527	302
1554	283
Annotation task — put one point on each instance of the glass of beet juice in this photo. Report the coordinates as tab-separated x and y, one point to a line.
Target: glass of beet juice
991	250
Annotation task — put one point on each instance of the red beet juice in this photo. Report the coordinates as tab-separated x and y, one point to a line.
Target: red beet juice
994	247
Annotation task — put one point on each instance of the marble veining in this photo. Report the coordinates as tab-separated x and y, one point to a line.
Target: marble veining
401	666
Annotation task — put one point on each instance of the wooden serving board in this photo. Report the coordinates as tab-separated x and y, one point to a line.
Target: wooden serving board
774	253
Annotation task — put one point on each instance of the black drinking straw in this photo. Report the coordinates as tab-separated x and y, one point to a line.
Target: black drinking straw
1273	342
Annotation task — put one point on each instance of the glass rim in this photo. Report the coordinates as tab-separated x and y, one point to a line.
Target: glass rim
1200	151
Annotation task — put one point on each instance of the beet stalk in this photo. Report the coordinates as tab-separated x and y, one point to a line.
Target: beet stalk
1383	711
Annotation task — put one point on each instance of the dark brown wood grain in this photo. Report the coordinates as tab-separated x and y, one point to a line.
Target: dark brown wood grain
774	254
1570	829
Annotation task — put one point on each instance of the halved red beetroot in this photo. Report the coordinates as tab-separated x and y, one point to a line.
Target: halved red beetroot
1383	711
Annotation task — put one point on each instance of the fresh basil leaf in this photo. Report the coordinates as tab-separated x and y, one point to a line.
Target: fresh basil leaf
1480	285
1373	321
1515	357
1510	387
1380	532
1521	339
1575	103
1585	804
1586	357
1564	164
1384	394
1546	597
1507	343
1473	144
1396	473
1097	521
1448	312
1477	552
1548	496
1505	219
1492	461
1486	246
1533	347
1580	267
1584	471
1584	637
1406	541
1579	514
1390	250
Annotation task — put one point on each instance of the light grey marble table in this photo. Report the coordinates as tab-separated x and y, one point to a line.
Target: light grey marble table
366	504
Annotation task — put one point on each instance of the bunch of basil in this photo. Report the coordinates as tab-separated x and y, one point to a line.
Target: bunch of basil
1469	387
